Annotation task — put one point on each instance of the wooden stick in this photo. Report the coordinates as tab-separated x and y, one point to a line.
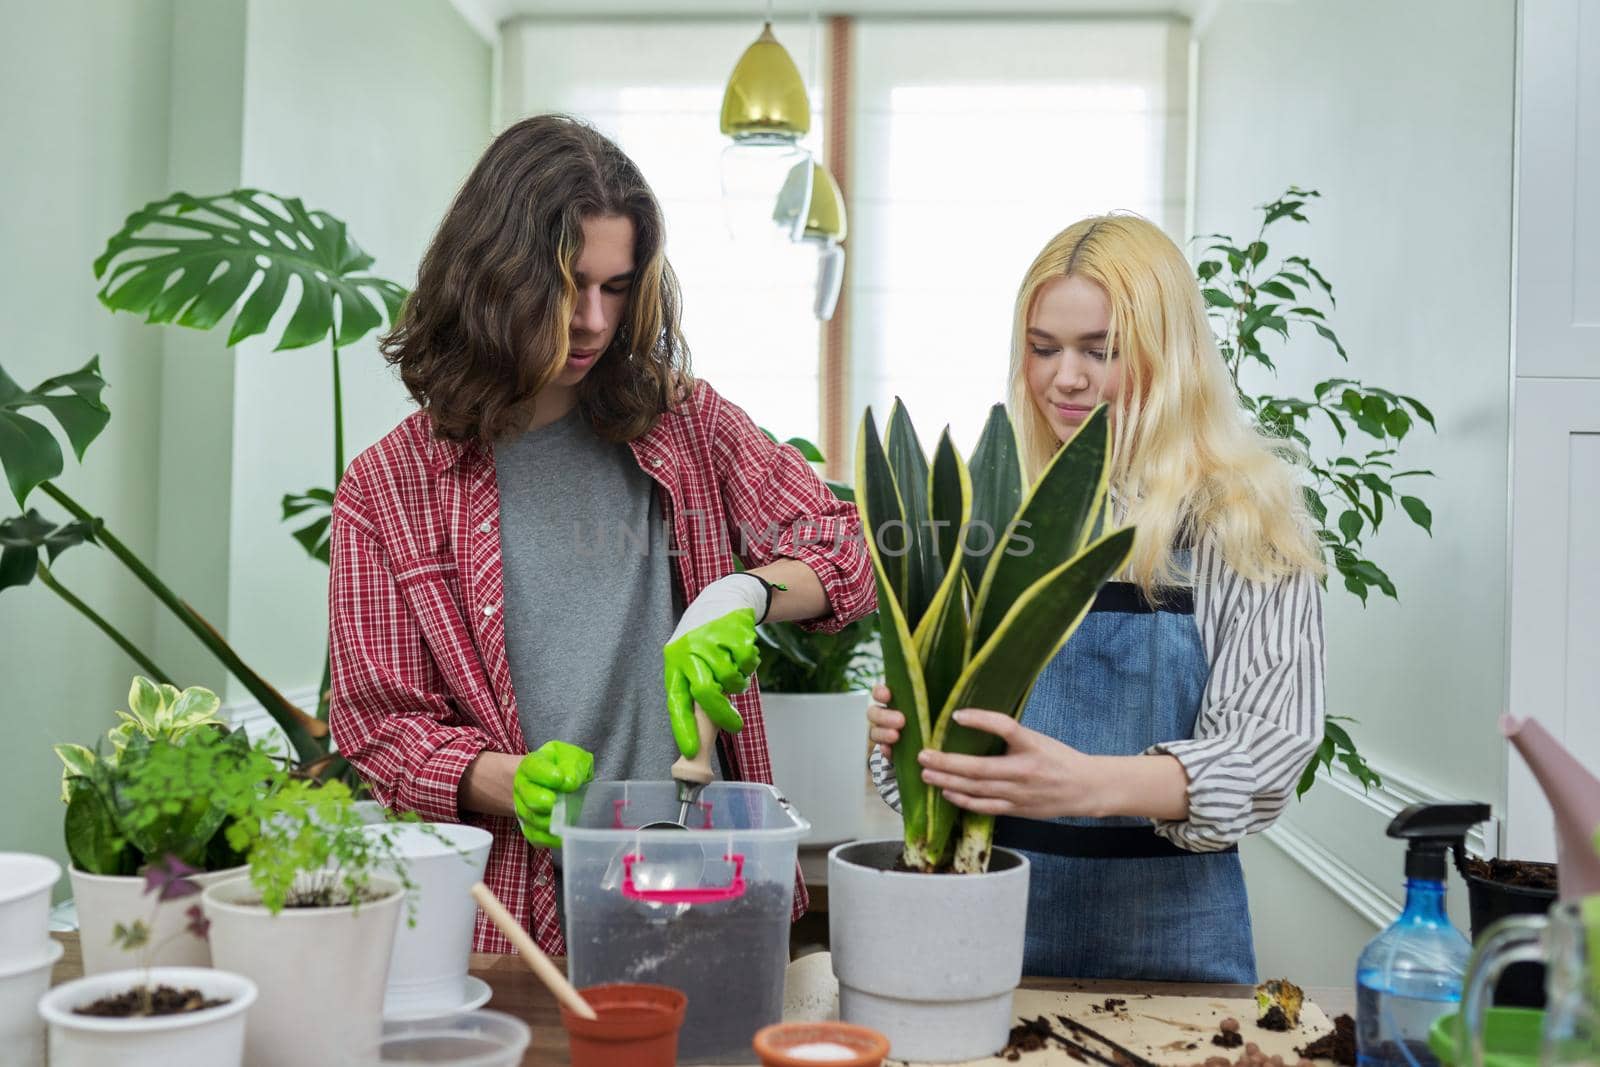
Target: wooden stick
537	961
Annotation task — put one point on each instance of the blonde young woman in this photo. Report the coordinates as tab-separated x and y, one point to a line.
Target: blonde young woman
1181	713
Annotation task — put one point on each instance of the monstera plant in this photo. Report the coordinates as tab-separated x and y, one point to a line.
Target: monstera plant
193	261
979	585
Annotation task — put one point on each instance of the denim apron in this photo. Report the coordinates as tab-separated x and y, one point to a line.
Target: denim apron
1108	898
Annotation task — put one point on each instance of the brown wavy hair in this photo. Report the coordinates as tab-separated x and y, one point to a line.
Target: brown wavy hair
487	325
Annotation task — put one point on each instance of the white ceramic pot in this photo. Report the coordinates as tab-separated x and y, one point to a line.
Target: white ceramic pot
213	1037
320	971
818	744
25	884
930	960
22	983
428	975
105	900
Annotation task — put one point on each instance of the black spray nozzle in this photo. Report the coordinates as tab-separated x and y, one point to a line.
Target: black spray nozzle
1430	831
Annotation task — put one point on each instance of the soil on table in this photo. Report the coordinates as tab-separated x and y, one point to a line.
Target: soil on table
729	957
164	1000
1338	1046
1274	1019
1524	874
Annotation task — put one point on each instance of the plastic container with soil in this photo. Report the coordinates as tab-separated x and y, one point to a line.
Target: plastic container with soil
1497	888
638	1025
703	910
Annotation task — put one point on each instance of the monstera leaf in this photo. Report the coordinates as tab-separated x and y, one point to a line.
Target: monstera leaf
28	450
316	505
23	537
190	260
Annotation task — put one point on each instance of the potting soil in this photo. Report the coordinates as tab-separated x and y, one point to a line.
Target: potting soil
728	958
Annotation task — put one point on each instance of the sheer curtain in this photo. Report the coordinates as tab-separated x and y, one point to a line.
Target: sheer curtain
975	141
655	87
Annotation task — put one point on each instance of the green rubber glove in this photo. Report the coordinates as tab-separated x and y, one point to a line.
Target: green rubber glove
542	776
706	662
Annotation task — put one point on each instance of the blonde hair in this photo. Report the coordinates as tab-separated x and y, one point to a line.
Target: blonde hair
1186	462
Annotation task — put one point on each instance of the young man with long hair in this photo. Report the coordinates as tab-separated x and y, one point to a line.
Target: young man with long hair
533	575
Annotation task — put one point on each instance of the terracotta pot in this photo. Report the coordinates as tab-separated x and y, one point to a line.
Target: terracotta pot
773	1044
638	1025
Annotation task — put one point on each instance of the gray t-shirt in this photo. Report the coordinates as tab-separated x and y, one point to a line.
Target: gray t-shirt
588	597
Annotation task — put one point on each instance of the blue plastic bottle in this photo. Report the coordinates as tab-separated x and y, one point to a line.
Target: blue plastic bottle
1411	974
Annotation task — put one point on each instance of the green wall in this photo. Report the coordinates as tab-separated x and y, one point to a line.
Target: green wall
372	110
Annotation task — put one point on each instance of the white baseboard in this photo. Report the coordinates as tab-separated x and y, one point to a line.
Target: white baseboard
1363	881
252	718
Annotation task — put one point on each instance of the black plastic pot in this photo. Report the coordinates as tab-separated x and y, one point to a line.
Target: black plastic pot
1522	985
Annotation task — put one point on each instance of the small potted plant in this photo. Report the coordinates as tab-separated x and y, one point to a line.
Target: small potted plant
152	1016
979	585
322	885
814	695
110	849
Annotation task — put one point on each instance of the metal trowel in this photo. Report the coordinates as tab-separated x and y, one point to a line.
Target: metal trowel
691	775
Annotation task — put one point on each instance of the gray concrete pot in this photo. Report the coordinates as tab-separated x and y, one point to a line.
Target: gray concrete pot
929	960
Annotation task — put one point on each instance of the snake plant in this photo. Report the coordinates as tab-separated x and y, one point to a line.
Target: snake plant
979	585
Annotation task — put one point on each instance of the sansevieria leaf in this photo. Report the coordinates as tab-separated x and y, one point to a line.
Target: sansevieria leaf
942	634
191	259
902	670
910	466
996	492
1052	525
1001	674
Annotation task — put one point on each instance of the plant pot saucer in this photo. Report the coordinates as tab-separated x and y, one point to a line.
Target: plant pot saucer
475	993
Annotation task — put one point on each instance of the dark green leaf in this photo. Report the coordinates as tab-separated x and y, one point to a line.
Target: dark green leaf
811	452
190	260
1350	525
28	451
1256	252
92	839
1419	512
882	515
1302	261
1218	298
996	492
910	463
1055	521
1397	422
1314	505
1277	289
1207	269
1422	412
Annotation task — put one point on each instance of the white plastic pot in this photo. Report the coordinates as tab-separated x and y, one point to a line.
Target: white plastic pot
213	1037
428	974
818	744
103	901
22	983
930	960
320	971
25	884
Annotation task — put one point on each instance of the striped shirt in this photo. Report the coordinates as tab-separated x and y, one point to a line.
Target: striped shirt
1261	714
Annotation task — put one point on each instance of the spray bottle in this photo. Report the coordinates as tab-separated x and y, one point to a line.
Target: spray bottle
1411	973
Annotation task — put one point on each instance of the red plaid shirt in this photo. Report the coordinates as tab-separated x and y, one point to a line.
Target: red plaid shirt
421	682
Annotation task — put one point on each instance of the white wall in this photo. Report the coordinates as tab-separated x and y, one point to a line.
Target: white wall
1401	114
83	138
373	111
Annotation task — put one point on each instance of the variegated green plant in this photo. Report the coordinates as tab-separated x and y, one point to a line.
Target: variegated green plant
155	712
979	585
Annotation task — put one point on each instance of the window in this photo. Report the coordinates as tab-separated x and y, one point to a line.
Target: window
973	141
655	87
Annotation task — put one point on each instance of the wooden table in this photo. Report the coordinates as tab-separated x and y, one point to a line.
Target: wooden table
517	992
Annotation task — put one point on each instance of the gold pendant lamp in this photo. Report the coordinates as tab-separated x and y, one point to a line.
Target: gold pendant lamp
765	110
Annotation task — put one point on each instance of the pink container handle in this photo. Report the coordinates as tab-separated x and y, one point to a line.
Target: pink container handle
701	895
